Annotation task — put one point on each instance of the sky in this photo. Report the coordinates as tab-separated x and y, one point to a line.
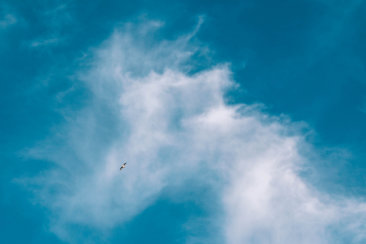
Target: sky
241	121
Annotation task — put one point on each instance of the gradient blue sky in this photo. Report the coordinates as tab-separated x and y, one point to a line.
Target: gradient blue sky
296	70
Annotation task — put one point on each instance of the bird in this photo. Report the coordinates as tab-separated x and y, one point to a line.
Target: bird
123	166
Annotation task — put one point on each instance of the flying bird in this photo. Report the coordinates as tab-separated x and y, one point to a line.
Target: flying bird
123	166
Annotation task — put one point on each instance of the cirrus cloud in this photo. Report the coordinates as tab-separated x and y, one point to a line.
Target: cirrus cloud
173	125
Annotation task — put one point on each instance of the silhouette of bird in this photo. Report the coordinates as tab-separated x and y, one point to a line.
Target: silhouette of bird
123	166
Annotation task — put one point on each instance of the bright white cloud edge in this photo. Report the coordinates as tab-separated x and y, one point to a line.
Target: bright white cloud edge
171	126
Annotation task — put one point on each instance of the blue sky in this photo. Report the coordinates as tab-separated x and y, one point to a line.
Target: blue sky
241	121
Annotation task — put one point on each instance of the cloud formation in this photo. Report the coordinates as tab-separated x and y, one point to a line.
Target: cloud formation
173	125
7	17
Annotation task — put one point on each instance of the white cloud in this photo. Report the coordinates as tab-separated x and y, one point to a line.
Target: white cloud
7	20
7	16
45	42
56	17
172	126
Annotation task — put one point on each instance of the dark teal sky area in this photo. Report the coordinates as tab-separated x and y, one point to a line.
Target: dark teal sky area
305	59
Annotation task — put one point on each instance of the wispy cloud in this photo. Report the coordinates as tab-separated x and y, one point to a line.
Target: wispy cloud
7	20
45	42
57	17
172	126
7	16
